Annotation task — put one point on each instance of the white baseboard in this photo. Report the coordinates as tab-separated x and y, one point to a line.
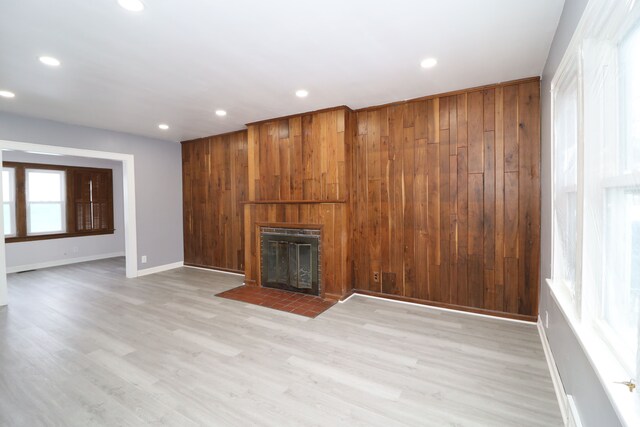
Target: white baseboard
215	270
450	310
66	261
160	268
563	400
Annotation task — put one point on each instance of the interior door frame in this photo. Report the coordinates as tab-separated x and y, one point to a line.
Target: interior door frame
129	191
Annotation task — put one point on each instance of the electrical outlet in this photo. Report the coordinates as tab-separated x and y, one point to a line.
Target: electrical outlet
376	276
74	249
144	259
546	319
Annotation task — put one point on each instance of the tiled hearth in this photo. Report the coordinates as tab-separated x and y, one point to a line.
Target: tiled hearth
292	302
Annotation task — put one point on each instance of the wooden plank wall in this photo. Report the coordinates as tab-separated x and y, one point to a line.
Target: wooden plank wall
434	200
298	174
214	180
299	158
446	199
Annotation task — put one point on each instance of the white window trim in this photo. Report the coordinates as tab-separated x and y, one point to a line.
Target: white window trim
598	350
606	365
570	64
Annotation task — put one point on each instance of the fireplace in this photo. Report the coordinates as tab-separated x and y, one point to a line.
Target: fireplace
291	259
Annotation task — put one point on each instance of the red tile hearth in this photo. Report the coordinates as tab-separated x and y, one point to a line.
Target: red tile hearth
304	305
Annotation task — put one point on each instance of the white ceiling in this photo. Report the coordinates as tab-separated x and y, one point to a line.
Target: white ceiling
178	61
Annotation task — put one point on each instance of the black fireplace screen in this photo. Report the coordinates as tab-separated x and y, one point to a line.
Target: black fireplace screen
290	262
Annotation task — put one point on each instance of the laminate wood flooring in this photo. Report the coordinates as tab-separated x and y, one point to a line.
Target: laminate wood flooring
81	345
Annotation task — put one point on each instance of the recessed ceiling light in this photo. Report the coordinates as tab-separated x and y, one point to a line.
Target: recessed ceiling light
428	63
7	94
131	5
302	93
49	60
163	126
221	113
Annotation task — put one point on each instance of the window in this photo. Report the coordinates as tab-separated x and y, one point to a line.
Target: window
92	198
619	298
630	85
9	200
47	201
596	192
620	293
565	176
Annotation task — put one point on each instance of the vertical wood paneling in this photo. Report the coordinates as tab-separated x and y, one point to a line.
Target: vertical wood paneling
453	199
510	124
529	206
373	197
438	199
395	131
489	196
463	207
499	303
409	219
476	240
433	221
385	237
421	260
443	291
215	174
475	131
466	168
300	158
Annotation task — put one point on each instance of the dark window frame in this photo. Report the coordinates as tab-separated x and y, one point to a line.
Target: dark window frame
71	212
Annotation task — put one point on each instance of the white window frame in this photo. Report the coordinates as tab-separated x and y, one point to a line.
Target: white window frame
62	202
12	200
572	65
621	180
601	17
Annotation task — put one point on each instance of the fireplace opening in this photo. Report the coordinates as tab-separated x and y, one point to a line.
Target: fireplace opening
290	259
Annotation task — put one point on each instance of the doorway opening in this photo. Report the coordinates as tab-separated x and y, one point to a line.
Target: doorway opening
128	189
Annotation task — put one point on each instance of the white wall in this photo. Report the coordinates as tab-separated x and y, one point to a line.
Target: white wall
577	373
21	256
158	177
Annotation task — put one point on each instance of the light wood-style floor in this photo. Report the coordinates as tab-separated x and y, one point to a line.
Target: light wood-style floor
81	345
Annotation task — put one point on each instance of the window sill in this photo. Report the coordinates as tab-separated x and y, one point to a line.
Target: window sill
605	364
55	236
